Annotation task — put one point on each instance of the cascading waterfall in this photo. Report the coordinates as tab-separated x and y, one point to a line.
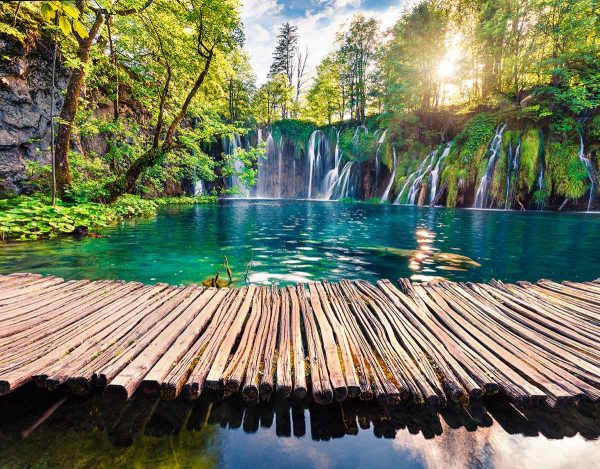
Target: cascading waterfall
435	174
377	158
348	182
264	165
279	167
321	162
413	181
232	143
588	167
483	190
311	159
332	175
386	193
512	171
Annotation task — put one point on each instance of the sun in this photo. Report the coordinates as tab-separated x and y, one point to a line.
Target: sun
446	68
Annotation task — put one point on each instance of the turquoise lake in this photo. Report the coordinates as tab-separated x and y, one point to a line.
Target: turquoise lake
286	241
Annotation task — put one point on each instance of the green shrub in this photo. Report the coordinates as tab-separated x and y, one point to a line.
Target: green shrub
203	199
30	218
24	218
130	206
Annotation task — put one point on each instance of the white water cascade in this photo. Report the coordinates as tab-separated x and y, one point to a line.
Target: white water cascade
377	158
232	143
435	174
413	181
263	166
347	184
588	167
332	176
512	171
386	193
483	190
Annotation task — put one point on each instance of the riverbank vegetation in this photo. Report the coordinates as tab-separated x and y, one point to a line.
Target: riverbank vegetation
158	98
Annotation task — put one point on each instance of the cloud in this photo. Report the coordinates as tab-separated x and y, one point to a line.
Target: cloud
317	26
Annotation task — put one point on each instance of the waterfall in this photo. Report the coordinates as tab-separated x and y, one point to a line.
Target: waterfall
279	167
483	190
377	160
413	181
332	175
512	170
588	167
232	143
348	182
321	161
198	188
435	174
264	166
386	193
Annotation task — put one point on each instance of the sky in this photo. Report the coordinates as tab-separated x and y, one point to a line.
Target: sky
317	21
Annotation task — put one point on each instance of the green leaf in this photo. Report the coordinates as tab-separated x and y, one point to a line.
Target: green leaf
64	24
70	10
47	12
79	29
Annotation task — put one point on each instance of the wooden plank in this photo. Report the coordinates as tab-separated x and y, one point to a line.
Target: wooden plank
330	347
341	338
411	351
531	319
368	366
355	342
392	383
322	390
206	304
544	340
502	347
459	385
243	359
298	354
251	382
513	384
421	316
147	315
482	316
213	339
214	379
72	365
268	363
16	372
129	378
284	347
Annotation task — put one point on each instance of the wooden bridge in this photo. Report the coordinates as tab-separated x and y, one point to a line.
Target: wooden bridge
420	342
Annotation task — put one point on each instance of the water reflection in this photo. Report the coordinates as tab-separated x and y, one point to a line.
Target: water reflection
43	429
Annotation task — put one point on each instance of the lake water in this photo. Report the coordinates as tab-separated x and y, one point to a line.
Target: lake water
279	242
284	242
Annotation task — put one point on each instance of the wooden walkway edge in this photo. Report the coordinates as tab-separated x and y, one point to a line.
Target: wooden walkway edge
424	343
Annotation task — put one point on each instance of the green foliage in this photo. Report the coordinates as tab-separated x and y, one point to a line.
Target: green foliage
182	200
29	218
293	130
531	146
475	137
132	206
566	174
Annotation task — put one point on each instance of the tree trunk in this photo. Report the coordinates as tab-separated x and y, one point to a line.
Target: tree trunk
69	108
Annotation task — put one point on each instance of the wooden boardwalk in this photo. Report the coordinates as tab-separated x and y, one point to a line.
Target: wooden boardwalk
392	342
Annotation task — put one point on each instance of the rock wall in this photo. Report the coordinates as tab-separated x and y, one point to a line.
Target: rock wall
25	99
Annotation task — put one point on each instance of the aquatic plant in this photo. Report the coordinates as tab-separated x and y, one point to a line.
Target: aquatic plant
30	218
